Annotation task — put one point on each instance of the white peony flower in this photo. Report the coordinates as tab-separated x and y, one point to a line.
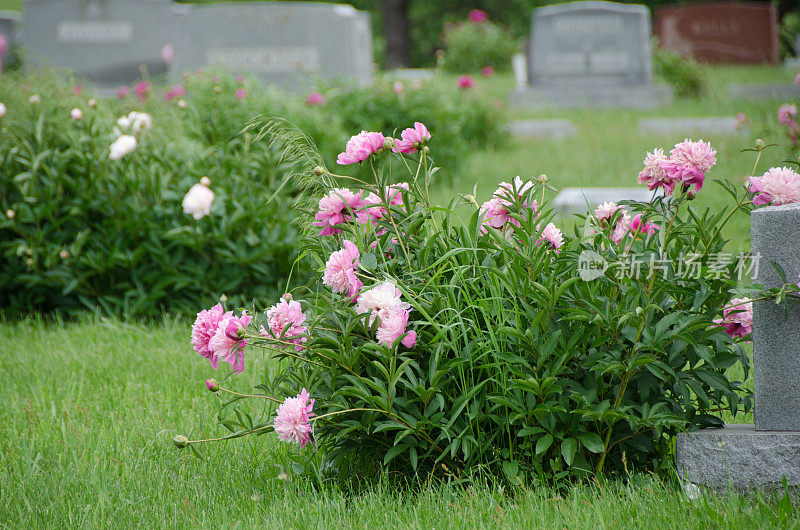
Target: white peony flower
76	114
197	201
2	110
380	300
122	146
134	123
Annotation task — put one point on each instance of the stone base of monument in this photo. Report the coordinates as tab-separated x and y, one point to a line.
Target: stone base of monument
590	96
741	457
763	91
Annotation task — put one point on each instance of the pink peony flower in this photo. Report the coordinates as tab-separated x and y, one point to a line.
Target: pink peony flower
787	114
412	139
393	326
487	71
360	147
477	16
77	90
226	344
644	227
496	212
622	227
605	212
285	320
122	92
383	302
292	419
465	82
76	114
167	53
142	90
204	328
241	93
737	317
315	98
654	175
741	120
779	185
338	207
551	234
393	195
689	161
340	270
175	91
397	87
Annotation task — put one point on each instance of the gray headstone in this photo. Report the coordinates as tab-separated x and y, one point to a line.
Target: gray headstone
763	91
575	200
591	54
689	126
411	74
9	25
556	128
775	235
285	43
106	41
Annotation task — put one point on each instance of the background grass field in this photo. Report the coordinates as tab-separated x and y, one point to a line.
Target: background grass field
89	408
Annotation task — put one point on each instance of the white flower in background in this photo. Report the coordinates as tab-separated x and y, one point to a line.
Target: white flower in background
692	491
205	181
134	122
181	104
122	146
197	201
76	114
2	110
34	99
92	103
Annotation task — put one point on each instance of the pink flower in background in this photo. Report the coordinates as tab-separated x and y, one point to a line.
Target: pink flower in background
293	419
167	54
3	43
240	79
605	212
741	120
393	326
77	90
76	114
737	317
487	71
778	185
787	114
122	92
551	234
465	82
285	321
226	344
797	79
637	225
517	189
204	328
412	139
477	16
241	93
197	201
315	99
142	90
397	87
360	147
654	175
338	207
175	91
340	270
689	161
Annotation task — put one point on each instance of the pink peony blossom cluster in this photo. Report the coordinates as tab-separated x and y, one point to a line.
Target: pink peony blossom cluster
605	213
687	164
293	419
487	71
315	98
465	82
412	139
240	93
175	91
779	185
338	207
142	90
384	303
285	322
496	212
787	116
643	227
477	16
340	271
215	336
360	147
737	317
552	235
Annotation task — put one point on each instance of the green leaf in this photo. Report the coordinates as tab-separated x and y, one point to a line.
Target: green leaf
544	443
568	449
592	442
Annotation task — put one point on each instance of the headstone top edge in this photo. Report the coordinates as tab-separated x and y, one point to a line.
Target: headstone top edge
780	208
338	8
567	7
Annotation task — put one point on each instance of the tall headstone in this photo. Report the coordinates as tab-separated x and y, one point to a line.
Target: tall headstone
286	43
9	22
107	41
591	54
764	453
724	32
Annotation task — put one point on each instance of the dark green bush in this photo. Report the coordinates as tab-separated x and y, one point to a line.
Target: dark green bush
472	46
684	74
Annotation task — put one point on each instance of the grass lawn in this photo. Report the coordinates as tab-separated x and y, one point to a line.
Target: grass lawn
90	409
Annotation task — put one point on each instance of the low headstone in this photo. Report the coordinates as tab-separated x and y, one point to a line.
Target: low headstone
411	74
724	32
581	200
555	128
285	43
110	42
765	453
519	65
718	125
9	25
591	54
763	91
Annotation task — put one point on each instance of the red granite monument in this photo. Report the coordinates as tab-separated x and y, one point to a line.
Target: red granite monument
720	33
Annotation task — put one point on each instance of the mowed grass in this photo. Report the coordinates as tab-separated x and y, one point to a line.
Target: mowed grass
89	411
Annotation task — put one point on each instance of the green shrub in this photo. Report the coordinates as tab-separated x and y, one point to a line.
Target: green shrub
684	74
789	29
472	46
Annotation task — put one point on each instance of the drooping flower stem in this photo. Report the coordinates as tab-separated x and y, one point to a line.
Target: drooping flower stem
263	396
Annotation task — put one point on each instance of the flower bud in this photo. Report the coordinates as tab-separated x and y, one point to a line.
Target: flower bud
760	144
205	181
223	298
64	254
319	171
212	384
426	149
11	214
92	103
29	252
388	143
29	262
542	178
34	99
76	114
288	297
217	90
180	441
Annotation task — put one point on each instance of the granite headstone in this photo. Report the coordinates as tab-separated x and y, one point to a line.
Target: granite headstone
9	22
580	200
726	32
285	43
109	42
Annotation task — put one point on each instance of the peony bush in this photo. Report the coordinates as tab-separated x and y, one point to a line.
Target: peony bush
478	338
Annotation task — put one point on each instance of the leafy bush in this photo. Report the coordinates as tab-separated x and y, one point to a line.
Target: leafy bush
789	29
684	74
471	46
435	346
